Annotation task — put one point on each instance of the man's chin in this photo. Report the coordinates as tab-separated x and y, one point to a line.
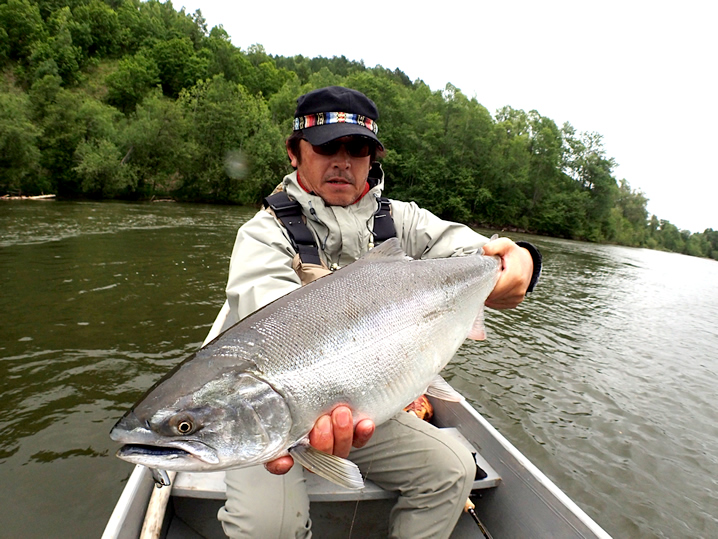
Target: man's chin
339	195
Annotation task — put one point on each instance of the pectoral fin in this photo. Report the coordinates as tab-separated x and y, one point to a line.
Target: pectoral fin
341	471
440	389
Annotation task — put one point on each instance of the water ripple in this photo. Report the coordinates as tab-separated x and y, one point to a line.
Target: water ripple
605	377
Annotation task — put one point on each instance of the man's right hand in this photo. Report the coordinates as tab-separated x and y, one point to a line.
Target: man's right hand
334	434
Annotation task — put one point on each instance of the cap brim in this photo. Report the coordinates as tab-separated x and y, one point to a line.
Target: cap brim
321	134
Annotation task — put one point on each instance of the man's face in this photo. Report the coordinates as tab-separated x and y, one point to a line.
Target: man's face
339	178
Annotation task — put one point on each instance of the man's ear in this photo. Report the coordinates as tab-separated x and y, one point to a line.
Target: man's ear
293	158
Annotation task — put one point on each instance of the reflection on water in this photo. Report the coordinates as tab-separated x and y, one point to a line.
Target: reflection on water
605	377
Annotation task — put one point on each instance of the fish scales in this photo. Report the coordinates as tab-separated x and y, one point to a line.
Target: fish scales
372	335
429	301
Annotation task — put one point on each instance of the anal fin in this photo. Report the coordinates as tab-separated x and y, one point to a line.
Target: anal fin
440	389
478	330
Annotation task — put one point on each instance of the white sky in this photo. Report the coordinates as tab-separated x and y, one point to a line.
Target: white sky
641	73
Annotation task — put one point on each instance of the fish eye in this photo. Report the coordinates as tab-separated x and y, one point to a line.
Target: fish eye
182	424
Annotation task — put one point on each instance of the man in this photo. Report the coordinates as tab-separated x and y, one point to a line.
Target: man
338	187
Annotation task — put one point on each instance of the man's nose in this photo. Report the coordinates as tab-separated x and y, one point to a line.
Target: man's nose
342	157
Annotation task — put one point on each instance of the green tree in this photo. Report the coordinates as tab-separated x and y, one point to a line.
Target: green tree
131	82
23	27
99	25
669	237
238	150
69	118
263	77
711	237
587	164
179	66
563	214
283	103
508	180
534	192
154	146
100	170
223	57
630	216
58	49
4	47
146	23
19	154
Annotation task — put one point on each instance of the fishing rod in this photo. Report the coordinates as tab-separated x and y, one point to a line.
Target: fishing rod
469	508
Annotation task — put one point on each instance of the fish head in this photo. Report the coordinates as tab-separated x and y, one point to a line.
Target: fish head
231	421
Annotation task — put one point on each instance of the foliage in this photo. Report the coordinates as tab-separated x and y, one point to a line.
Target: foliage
134	99
155	147
19	153
131	82
227	121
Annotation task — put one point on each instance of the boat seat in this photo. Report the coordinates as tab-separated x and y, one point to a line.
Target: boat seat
210	485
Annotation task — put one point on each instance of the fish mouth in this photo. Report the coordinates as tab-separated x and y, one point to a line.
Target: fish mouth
131	451
185	453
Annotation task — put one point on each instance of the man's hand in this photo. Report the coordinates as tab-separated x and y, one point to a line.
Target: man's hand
334	434
517	266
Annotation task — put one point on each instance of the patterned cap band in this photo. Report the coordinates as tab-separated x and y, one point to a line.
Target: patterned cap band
326	118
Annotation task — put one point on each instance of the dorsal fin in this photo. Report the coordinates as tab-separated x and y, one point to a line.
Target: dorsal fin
389	250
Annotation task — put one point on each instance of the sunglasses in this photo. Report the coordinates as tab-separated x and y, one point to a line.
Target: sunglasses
355	147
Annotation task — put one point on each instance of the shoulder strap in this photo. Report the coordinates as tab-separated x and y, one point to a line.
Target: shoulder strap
384	228
289	213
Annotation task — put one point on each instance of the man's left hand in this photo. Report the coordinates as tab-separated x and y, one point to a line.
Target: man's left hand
517	266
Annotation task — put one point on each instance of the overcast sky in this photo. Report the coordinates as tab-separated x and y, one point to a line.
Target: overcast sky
641	73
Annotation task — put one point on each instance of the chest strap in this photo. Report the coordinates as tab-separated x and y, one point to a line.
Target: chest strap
384	228
289	213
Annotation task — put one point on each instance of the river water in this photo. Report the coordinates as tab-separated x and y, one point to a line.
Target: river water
605	377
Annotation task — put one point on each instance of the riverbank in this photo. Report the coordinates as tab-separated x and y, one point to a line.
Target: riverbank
35	197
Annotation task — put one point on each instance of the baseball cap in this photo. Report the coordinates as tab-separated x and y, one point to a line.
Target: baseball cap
334	112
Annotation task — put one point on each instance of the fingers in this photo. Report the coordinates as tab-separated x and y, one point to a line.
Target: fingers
363	432
343	430
515	276
336	433
280	466
321	436
498	247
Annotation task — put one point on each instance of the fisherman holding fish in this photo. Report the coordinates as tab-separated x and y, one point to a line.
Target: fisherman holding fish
335	193
318	373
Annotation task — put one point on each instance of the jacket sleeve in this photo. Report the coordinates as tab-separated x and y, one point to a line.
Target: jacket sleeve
424	235
260	271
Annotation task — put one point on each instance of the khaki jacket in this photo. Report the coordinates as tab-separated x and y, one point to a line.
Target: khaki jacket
260	269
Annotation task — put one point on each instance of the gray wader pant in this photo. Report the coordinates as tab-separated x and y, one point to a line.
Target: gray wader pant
431	471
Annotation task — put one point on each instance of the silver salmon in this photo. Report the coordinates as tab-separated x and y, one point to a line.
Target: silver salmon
373	335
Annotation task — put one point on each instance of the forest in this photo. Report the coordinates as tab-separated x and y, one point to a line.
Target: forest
134	100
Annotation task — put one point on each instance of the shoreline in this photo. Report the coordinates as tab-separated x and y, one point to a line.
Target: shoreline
32	197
